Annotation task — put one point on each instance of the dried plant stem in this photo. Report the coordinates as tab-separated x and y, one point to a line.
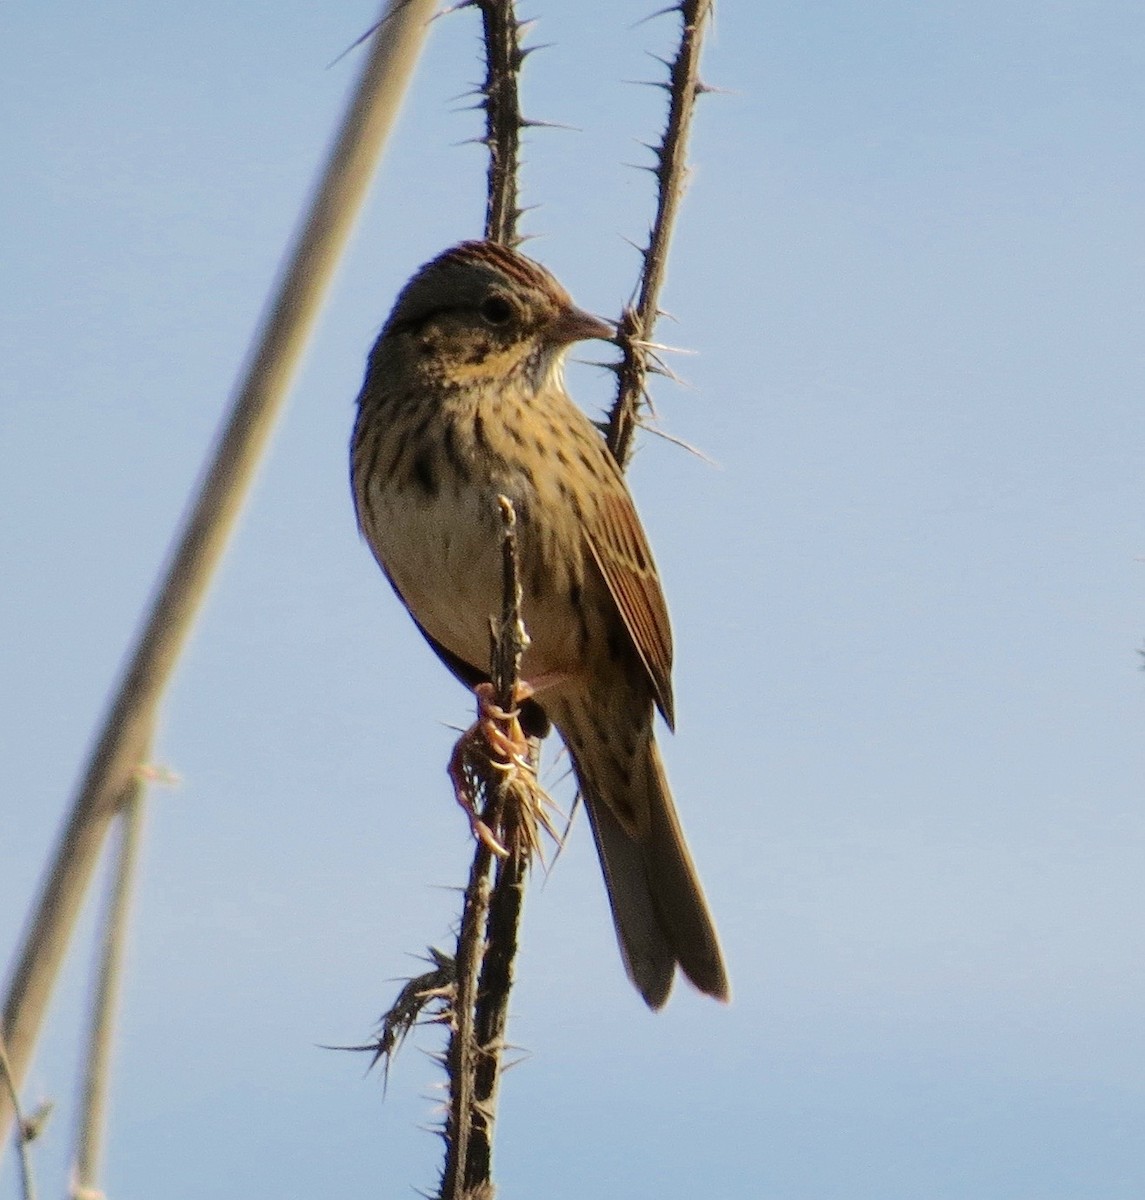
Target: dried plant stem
12	1094
105	1006
639	320
125	738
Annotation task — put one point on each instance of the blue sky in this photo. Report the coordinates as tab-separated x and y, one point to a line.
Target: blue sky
907	601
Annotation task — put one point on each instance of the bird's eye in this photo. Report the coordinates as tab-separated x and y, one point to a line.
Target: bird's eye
496	310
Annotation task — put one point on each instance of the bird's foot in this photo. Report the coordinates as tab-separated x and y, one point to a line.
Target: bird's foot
502	729
463	790
498	736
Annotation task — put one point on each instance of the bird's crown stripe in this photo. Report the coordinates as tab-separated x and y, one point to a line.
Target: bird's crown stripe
507	261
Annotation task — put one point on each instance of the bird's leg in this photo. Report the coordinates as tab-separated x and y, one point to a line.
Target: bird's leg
507	747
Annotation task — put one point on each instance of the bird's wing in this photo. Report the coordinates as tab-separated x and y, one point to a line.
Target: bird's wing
620	549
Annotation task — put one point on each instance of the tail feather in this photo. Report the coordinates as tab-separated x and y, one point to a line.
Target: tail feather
658	904
677	893
648	957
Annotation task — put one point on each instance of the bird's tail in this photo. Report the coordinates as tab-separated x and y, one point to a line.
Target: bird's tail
658	904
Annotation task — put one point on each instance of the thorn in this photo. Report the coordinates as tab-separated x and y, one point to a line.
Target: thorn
660	12
354	45
648	347
712	88
530	123
676	441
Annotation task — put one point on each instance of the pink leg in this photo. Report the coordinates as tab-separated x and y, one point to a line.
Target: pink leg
504	740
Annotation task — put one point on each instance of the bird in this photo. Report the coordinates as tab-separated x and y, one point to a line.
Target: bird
463	401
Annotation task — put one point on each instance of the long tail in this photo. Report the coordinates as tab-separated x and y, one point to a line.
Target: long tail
658	904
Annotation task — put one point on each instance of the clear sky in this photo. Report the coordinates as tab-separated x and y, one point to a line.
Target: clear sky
907	600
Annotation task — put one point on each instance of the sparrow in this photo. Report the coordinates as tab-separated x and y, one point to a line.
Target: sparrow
464	400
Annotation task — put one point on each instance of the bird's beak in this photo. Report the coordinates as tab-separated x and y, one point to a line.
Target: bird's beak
576	325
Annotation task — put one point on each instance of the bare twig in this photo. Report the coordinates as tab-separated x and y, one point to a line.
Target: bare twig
126	735
105	1006
23	1132
634	332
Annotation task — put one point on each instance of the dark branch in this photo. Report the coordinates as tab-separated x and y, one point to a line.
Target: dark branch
503	120
634	333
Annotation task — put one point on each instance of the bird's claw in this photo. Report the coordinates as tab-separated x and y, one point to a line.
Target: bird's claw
506	748
502	728
463	795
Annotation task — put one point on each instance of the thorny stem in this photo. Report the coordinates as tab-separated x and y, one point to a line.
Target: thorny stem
503	120
638	320
487	940
459	1128
505	904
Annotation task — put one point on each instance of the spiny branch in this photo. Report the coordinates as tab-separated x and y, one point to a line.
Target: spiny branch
503	120
487	941
636	325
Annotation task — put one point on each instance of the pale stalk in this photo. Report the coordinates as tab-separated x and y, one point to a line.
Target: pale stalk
125	738
92	1126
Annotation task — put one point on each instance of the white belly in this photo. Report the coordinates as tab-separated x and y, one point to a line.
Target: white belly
446	563
444	557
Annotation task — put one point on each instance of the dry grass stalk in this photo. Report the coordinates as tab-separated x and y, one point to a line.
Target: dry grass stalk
124	740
